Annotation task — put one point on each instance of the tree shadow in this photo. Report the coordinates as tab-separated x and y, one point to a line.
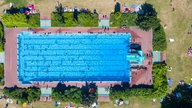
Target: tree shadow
11	88
180	97
17	10
126	85
117	7
147	9
89	94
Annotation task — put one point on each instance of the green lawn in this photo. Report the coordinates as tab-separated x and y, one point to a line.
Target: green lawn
178	23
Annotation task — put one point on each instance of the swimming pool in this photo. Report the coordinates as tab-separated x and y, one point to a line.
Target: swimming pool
73	57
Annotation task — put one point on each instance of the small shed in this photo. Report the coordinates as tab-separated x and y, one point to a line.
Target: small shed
46	94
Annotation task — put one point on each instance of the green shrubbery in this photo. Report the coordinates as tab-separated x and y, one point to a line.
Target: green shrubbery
75	94
159	39
88	20
23	94
67	19
21	20
67	94
158	89
1	37
149	20
1	74
34	20
123	19
11	20
60	93
57	20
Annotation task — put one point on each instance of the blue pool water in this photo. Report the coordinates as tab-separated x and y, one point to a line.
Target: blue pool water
73	57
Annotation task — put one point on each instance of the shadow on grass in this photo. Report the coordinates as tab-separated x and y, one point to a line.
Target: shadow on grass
17	10
180	97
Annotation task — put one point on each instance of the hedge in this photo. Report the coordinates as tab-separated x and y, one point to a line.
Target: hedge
158	89
75	94
1	37
21	20
67	19
123	19
23	94
1	74
149	20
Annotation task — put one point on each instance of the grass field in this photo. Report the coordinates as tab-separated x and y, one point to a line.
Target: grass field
178	24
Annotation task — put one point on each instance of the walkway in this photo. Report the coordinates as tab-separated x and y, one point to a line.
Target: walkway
103	94
2	57
45	21
104	21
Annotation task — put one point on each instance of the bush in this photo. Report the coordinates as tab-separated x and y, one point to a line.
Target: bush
158	89
11	20
21	20
34	20
1	74
87	98
67	20
57	20
67	94
149	20
117	15
88	20
23	94
127	19
159	39
75	94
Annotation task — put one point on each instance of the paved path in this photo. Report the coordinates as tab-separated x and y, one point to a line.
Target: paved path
104	21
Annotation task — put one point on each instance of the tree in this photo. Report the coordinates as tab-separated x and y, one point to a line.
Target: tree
147	20
88	98
184	101
33	94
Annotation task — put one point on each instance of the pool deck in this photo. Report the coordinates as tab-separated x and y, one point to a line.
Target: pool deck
142	76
